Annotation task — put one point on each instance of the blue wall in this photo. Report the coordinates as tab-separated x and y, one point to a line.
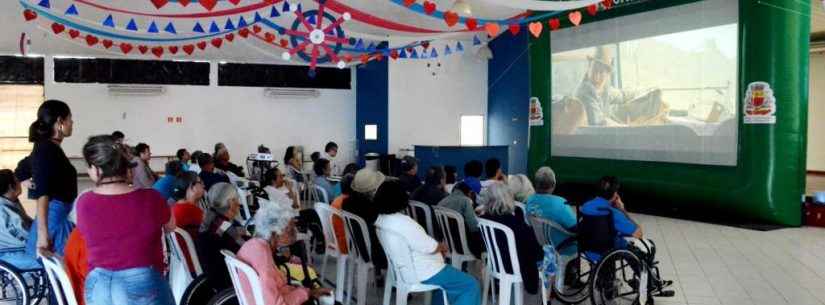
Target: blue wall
371	106
509	97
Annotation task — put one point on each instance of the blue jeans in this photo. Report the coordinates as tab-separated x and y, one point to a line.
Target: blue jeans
137	286
59	228
461	288
20	260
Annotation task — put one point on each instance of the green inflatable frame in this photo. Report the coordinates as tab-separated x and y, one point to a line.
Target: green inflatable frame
768	182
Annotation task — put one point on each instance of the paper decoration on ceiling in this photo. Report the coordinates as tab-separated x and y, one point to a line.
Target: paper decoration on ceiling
311	40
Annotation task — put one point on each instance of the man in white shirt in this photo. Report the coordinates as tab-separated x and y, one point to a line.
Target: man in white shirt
330	152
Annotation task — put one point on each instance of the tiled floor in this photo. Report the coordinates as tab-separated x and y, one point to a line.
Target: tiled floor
720	265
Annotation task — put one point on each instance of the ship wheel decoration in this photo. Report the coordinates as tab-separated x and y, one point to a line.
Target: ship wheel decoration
317	37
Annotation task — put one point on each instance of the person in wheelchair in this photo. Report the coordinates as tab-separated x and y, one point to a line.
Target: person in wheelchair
626	233
15	224
219	231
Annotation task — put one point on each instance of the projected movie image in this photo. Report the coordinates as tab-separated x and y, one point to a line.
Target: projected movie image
665	98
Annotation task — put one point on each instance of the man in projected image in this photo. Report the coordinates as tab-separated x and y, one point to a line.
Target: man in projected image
607	105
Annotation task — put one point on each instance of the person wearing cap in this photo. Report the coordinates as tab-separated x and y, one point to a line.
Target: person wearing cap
461	201
409	174
360	202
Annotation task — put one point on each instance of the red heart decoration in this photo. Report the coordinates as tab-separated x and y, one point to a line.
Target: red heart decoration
256	29
514	28
471	24
29	15
408	3
91	40
173	50
125	48
554	24
451	18
202	45
425	44
58	28
189	49
230	37
394	54
159	3
269	37
284	43
244	32
74	33
575	17
107	43
158	51
347	58
607	4
591	9
184	3
208	4
379	57
235	2
429	7
143	49
364	58
217	42
535	29
492	29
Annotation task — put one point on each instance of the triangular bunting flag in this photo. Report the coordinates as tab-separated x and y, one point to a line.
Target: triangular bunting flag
402	54
258	17
311	19
447	50
285	8
153	28
424	54
360	44
476	41
371	47
242	23
274	13
229	26
414	54
198	28
45	3
170	28
459	47
213	28
299	9
132	26
110	21
72	10
433	54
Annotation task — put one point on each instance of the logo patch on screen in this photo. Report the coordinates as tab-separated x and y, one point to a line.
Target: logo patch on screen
760	104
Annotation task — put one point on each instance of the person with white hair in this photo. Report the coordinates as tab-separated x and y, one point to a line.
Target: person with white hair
219	231
274	228
553	208
520	186
500	208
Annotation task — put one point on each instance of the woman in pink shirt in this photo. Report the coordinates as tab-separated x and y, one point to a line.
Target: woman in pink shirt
274	227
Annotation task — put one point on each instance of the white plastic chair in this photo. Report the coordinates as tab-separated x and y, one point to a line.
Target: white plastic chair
455	234
362	262
509	283
543	228
243	198
183	252
236	268
422	215
401	273
326	214
191	254
321	194
59	280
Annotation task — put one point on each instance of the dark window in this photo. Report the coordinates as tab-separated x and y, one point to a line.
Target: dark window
21	70
122	71
282	76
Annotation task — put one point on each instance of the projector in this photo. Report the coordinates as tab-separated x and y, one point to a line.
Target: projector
260	157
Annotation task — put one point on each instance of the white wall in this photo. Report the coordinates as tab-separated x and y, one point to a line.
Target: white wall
816	113
425	109
240	117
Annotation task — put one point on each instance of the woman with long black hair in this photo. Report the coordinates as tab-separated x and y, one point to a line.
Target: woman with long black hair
54	178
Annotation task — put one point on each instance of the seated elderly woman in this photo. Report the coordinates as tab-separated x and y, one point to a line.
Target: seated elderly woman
417	254
500	207
520	186
187	191
545	205
323	169
14	224
280	189
275	228
219	231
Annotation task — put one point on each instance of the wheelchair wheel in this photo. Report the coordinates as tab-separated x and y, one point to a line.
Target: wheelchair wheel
616	279
226	297
198	292
573	289
14	288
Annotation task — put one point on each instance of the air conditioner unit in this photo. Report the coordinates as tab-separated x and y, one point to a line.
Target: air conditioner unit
136	90
291	93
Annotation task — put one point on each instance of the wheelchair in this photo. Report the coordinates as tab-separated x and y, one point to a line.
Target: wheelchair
609	275
22	287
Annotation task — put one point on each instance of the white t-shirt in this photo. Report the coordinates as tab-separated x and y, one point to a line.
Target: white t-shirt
278	195
416	243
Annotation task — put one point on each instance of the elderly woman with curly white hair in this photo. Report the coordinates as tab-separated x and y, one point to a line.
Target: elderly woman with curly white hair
275	227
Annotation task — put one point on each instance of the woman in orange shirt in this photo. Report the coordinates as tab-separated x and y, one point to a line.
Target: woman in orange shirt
337	222
77	267
188	191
